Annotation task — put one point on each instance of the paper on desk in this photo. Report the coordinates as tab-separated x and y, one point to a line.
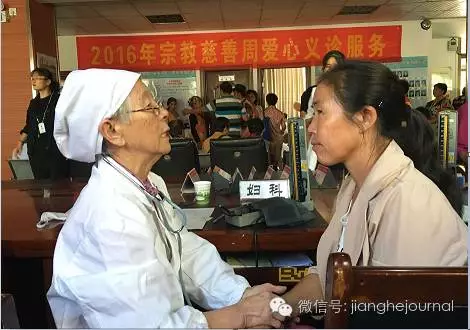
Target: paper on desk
197	218
51	219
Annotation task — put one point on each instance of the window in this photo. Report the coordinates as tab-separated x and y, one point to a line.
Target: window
288	84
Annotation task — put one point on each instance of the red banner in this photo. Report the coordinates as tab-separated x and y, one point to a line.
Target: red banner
287	48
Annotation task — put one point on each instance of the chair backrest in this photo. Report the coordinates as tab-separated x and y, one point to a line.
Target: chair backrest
182	158
21	169
229	154
9	314
386	297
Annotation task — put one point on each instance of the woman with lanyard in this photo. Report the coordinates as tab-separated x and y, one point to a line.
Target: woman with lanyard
124	257
45	158
387	212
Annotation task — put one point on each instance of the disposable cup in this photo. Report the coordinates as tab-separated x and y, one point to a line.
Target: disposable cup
203	190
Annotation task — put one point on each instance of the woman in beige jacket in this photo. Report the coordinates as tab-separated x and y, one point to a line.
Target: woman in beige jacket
387	213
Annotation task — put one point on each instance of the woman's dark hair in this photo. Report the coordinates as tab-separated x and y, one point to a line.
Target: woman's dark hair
271	99
418	143
226	87
406	86
255	126
251	91
195	98
336	54
170	99
240	89
43	72
442	87
357	84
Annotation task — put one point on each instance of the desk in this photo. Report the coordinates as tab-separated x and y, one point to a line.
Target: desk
23	202
27	253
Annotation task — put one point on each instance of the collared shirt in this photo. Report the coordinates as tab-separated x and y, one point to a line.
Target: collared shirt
277	120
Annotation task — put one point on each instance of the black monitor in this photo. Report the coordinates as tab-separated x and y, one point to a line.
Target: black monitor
21	169
229	154
182	158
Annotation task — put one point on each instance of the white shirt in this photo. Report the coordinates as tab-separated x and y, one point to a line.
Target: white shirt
111	267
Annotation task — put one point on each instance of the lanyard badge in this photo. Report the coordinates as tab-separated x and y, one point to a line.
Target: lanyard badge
41	128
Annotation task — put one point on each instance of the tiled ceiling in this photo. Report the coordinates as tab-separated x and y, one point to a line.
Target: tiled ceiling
128	16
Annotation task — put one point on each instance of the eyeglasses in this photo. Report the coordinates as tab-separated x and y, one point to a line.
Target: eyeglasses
156	110
38	78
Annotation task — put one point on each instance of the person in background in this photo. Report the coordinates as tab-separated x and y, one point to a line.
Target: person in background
240	92
199	120
297	109
124	258
329	61
221	128
176	128
252	128
228	106
253	98
440	102
171	107
46	160
462	137
460	100
278	126
419	144
393	214
406	87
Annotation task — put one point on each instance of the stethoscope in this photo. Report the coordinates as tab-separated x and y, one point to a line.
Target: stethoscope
161	214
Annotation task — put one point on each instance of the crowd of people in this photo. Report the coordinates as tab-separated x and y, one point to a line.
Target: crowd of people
235	114
239	109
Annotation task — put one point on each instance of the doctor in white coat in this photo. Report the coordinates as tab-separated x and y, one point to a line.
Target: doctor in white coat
123	258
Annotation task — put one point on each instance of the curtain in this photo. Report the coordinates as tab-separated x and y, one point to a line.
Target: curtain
288	84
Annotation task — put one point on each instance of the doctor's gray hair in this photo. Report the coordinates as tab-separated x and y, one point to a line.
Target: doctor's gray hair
123	113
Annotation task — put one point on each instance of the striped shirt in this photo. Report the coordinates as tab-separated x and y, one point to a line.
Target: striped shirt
230	108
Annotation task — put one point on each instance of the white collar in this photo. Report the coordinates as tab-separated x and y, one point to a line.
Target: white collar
120	168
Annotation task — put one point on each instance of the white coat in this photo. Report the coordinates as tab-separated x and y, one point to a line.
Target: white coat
111	267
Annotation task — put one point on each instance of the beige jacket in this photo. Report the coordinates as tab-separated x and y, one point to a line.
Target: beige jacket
399	218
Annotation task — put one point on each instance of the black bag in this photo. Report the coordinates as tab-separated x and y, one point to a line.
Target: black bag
267	128
282	212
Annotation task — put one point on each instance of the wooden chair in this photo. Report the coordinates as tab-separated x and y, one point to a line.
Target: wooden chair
350	290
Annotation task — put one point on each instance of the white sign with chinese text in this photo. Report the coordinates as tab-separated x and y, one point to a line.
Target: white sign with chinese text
263	189
227	78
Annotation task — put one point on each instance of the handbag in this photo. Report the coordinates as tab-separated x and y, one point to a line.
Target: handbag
267	128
